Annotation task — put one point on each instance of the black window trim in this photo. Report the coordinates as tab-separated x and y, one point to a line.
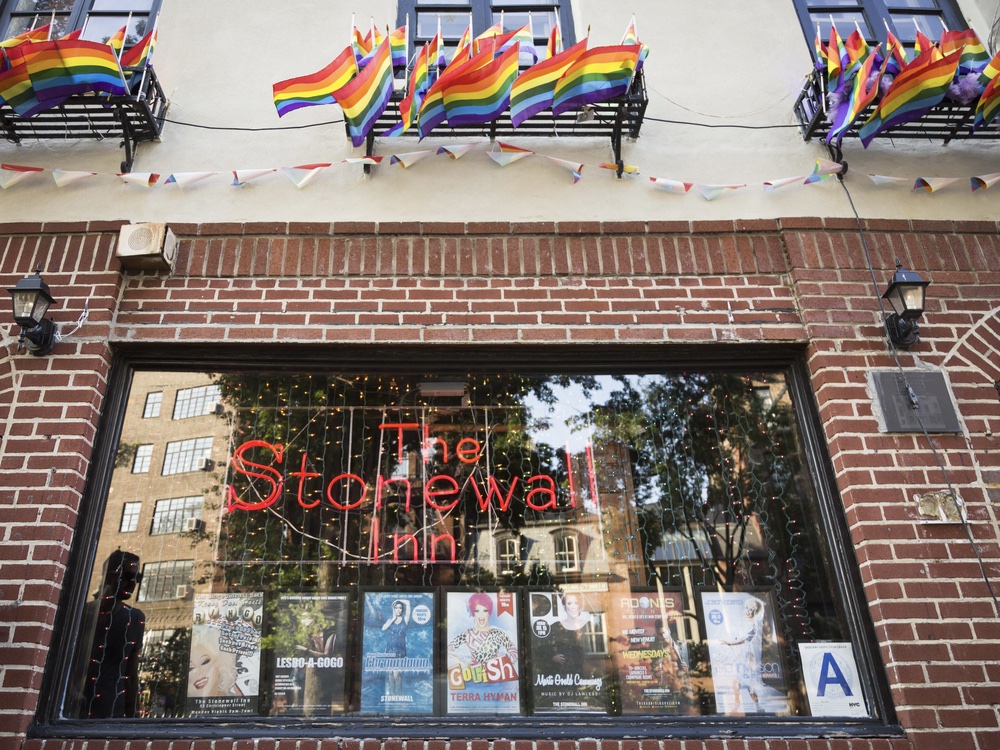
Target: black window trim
77	16
569	359
481	12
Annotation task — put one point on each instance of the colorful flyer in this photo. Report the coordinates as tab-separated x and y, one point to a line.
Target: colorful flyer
569	652
745	653
310	644
482	661
653	661
397	661
224	664
831	677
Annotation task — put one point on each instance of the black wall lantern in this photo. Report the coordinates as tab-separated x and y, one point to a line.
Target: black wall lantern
906	294
31	300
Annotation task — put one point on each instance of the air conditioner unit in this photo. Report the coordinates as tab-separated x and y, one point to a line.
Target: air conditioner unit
194	524
203	464
220	408
147	247
181	591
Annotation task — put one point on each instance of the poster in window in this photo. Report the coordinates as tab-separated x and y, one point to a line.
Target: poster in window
483	671
310	645
569	651
224	664
397	654
652	652
831	678
745	653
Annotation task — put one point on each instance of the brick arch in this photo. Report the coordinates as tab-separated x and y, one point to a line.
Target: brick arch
978	348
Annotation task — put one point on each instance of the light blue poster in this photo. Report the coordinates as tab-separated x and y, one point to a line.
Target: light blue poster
483	667
397	660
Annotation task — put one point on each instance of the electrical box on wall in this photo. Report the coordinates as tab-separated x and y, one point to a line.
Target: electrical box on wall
933	409
147	247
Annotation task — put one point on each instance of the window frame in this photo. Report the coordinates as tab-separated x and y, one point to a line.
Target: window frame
874	11
571	359
75	18
147	459
153	406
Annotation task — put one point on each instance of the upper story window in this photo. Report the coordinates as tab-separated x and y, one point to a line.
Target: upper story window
567	553
454	17
98	19
143	457
187	455
153	403
177	514
196	402
508	556
872	17
130	517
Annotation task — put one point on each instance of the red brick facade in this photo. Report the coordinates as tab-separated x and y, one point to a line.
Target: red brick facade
800	281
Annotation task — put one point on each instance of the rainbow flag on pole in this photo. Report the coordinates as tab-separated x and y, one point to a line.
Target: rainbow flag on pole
974	55
60	69
138	56
397	43
861	95
598	75
419	81
317	88
366	96
432	112
117	40
534	89
41	34
555	43
990	71
631	36
16	90
988	106
895	55
482	95
917	90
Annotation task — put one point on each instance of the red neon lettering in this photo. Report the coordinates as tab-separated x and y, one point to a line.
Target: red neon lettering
399	427
431	494
398	540
569	474
434	545
346	506
373	544
494	489
468	455
550	491
381	482
302	475
272	477
429	444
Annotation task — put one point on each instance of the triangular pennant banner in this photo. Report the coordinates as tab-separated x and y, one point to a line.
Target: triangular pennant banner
457	152
303	174
985	181
187	178
144	179
373	160
408	160
770	185
242	176
671	186
931	184
503	158
881	179
826	167
64	177
711	192
573	167
11	174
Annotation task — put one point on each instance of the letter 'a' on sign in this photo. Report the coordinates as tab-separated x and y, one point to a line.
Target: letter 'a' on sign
831	677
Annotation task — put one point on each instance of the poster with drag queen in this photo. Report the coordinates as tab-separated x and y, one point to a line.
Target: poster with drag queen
483	671
745	653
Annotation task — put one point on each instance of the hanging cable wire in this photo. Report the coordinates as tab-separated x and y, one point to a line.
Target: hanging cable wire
912	395
252	130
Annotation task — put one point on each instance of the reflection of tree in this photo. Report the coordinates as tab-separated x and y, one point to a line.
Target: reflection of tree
163	675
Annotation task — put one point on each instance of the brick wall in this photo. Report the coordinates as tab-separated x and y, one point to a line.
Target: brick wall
795	280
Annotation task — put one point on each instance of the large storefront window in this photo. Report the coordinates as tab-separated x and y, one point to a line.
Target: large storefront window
417	547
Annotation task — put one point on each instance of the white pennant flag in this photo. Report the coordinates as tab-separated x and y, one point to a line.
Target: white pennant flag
985	181
931	184
458	151
143	179
825	167
503	158
408	160
303	174
372	160
64	177
181	179
671	186
770	185
574	168
881	179
243	176
711	192
11	174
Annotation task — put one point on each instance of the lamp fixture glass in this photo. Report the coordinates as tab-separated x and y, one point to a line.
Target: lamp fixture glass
30	299
907	295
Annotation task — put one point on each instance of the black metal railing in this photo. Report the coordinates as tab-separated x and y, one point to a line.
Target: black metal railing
134	118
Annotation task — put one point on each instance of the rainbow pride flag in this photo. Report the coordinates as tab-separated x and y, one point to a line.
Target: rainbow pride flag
895	56
534	89
917	90
922	44
432	112
74	34
464	42
555	43
397	43
482	95
990	71
598	75
41	34
419	81
139	55
861	95
317	88
988	106
503	42
16	90
60	69
366	96
494	31
117	40
974	55
359	44
836	55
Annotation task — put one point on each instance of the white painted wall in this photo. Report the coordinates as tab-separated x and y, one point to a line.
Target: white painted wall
721	62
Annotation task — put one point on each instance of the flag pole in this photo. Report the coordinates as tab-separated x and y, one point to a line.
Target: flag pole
149	55
52	22
121	49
